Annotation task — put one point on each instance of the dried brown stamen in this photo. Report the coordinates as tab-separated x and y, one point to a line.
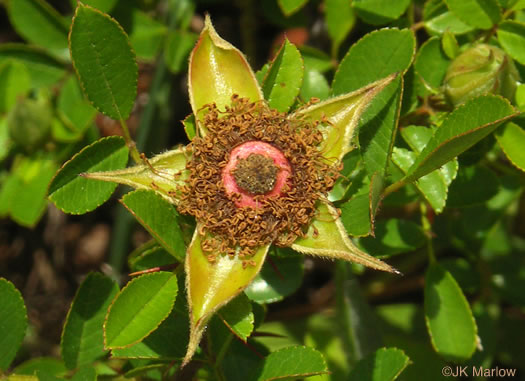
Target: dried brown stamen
278	219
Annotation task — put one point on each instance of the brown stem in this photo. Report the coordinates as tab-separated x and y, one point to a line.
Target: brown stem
155	269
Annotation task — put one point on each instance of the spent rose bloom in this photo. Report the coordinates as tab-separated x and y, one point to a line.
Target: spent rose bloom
252	177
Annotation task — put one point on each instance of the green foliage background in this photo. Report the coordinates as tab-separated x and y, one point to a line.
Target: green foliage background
433	188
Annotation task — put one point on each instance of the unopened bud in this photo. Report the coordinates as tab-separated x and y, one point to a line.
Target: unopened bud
479	70
29	123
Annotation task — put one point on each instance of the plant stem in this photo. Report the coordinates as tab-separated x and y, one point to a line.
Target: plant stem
120	241
507	13
427	228
415	27
411	14
394	187
135	155
124	220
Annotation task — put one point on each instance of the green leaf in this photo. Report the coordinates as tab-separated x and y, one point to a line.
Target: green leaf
23	194
177	49
75	194
280	277
518	5
101	5
344	189
511	36
5	142
47	365
406	327
212	284
450	45
261	73
520	96
464	127
432	186
323	333
450	323
478	13
464	273
15	82
378	128
315	59
139	309
83	336
148	256
62	132
327	237
147	35
392	50
479	222
417	138
190	127
342	115
411	87
38	22
444	21
432	63
161	174
43	69
377	184
508	271
167	342
385	364
85	374
238	317
284	77
511	139
8	191
219	338
380	12
393	236
16	377
289	364
355	215
314	85
238	363
289	7
104	62
473	185
75	111
149	370
159	218
13	316
340	19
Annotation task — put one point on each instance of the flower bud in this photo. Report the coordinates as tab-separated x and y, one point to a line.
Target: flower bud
479	70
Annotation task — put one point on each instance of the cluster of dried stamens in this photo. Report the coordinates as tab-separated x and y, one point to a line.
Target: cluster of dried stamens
278	219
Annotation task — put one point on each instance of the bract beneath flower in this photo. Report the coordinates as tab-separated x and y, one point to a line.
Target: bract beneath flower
210	285
217	71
